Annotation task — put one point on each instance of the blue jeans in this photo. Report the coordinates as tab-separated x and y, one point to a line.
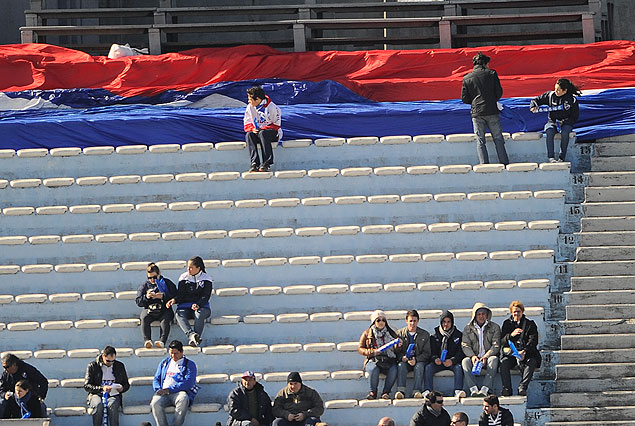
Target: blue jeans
490	372
184	315
481	124
432	369
179	400
550	130
403	367
96	409
391	376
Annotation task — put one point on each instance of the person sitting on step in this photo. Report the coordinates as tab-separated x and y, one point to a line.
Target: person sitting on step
262	127
521	333
418	357
152	296
24	404
377	344
447	354
481	345
494	414
297	404
192	300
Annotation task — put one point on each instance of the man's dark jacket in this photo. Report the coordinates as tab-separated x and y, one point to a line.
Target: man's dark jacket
424	417
94	375
506	418
238	403
482	89
39	383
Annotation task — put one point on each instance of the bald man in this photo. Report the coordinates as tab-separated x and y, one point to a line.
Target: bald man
386	421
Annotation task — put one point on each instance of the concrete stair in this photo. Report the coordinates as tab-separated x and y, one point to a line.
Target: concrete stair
595	373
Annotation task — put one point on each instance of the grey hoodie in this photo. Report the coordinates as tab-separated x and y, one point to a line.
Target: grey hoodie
491	335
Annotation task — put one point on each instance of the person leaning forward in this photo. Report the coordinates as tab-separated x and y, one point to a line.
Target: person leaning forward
297	404
249	404
106	379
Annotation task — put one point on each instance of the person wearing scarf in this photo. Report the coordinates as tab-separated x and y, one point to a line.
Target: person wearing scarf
192	300
152	296
377	335
23	404
523	333
481	342
445	344
432	412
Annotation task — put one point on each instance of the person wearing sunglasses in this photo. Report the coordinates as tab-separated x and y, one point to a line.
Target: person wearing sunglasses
459	419
381	356
105	380
153	296
14	370
432	412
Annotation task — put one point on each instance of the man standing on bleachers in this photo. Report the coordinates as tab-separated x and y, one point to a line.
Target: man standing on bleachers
174	385
482	89
417	359
297	404
14	370
105	380
481	344
248	404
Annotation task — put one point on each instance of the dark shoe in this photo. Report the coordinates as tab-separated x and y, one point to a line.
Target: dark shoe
198	338
265	168
385	395
371	395
254	168
506	392
522	392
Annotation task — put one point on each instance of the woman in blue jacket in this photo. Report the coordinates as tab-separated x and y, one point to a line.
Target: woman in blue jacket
563	111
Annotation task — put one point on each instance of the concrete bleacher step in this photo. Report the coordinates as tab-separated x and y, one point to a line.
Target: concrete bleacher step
598	399
606	238
600	209
610	193
607	224
592	413
592	423
610	178
582	356
623	282
613	164
614	149
605	341
593	385
604	268
622	252
602	326
600	297
596	370
586	312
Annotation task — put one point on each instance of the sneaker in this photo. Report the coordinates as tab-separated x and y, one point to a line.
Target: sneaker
148	344
552	160
198	338
522	392
265	168
159	344
417	395
371	395
506	392
254	168
484	391
385	395
474	391
425	393
192	341
459	393
560	160
399	395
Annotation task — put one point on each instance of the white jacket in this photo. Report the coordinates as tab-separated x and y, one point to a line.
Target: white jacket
265	116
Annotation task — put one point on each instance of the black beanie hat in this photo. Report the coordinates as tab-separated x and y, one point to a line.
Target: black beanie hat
446	314
294	376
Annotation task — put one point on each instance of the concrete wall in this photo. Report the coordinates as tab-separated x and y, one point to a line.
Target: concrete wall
623	18
12	18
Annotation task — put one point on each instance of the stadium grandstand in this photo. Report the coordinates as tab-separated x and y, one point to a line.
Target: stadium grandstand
375	200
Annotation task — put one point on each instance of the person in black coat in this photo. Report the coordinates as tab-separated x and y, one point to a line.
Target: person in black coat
107	376
14	370
446	337
249	404
23	404
153	296
482	89
494	412
432	412
563	110
523	334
